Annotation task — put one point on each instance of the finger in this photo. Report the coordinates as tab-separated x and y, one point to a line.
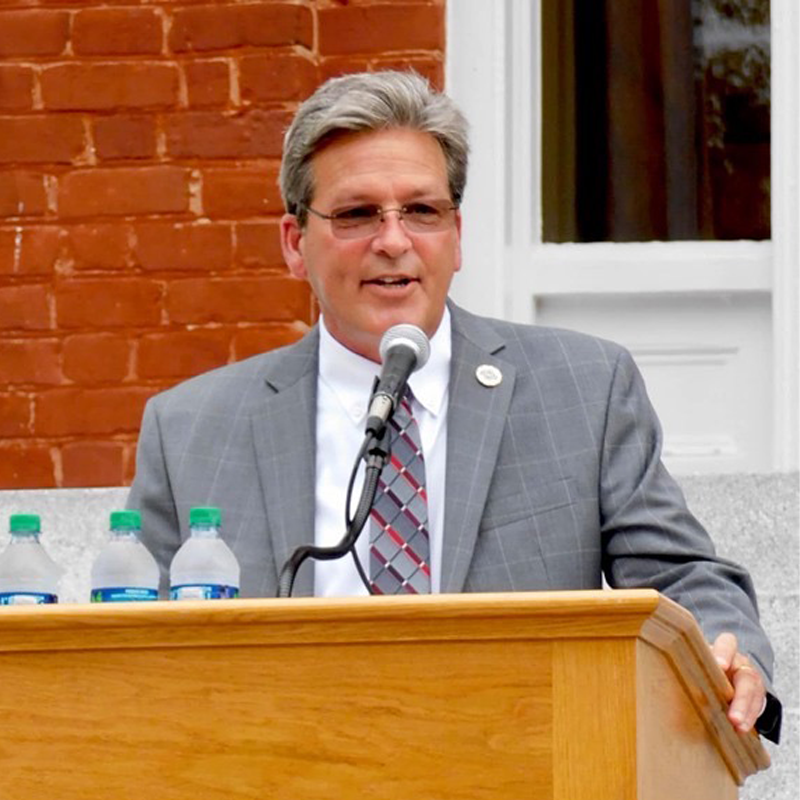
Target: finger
748	698
724	650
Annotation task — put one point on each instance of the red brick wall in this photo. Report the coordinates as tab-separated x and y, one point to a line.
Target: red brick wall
139	148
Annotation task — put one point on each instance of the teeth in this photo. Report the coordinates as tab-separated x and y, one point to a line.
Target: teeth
393	281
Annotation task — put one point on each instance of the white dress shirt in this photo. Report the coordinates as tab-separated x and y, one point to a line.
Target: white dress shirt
344	387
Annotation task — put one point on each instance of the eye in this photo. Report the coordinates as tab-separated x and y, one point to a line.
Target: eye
421	211
356	214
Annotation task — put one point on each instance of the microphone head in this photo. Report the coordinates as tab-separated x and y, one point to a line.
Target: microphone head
405	335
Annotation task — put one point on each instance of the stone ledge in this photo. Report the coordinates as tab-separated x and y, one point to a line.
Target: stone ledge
752	519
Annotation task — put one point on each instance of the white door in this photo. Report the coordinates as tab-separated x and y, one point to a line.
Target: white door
712	324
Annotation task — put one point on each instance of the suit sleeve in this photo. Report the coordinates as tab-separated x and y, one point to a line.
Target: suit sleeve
151	494
650	537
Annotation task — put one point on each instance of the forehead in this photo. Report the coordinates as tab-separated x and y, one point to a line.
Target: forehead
393	160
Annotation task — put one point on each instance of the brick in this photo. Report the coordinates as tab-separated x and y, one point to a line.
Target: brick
24	466
39	250
8	251
73	411
431	67
100	246
15	415
124	190
208	83
208	134
258	245
231	193
96	358
181	354
380	27
22	194
252	341
167	246
256	24
33	33
267	299
129	464
16	88
101	87
107	31
24	308
120	136
30	361
112	303
264	78
93	463
335	66
47	139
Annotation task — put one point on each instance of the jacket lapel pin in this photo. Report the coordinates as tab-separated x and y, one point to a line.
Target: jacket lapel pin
488	375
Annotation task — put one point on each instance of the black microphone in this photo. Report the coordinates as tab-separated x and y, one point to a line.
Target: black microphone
403	349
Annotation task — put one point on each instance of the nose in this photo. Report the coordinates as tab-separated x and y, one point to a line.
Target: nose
392	238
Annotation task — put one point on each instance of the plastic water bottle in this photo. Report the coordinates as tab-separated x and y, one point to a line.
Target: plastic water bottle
28	575
204	568
125	570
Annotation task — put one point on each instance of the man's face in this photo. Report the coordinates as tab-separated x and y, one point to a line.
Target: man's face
366	285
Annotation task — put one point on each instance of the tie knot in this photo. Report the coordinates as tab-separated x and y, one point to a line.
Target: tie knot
403	415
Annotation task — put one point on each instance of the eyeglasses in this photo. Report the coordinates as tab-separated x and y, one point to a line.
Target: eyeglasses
355	222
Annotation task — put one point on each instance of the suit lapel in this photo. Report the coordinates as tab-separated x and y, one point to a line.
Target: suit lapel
284	436
475	423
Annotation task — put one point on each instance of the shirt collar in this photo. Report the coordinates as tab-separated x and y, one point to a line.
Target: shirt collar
350	376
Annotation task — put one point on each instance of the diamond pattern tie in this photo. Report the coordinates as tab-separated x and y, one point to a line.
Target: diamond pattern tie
399	547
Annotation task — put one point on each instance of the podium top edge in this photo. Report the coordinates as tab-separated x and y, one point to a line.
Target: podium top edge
586	603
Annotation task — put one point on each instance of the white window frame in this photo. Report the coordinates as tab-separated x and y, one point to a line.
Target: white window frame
493	72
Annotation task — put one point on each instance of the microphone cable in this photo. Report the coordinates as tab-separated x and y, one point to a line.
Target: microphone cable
375	451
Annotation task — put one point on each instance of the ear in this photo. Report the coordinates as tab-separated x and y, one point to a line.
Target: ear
292	246
458	241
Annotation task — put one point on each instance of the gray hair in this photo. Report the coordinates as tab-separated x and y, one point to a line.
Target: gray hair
370	101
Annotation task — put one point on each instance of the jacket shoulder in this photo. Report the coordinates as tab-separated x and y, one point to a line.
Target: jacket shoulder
237	383
539	344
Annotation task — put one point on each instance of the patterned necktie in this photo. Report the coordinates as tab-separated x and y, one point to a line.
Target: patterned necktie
399	548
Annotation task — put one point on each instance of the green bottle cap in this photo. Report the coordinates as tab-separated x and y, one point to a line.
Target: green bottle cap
206	515
126	520
28	523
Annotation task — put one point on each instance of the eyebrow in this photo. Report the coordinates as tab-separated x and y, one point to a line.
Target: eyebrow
370	201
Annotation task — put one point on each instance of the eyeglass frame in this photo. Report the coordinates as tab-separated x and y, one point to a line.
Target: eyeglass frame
380	217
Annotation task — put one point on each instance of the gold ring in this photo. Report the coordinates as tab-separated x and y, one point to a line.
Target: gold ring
746	668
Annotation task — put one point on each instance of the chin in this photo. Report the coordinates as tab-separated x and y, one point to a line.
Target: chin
408	316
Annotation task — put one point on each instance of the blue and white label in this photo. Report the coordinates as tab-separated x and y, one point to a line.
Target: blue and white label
26	598
205	591
123	594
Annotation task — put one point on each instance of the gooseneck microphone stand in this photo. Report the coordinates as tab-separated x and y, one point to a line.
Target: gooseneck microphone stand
375	451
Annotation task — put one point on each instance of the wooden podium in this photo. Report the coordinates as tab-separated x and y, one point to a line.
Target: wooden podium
563	695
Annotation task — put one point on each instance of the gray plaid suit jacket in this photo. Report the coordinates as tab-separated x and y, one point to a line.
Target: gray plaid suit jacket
553	477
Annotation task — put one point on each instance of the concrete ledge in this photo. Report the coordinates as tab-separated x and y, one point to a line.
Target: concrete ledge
74	528
754	519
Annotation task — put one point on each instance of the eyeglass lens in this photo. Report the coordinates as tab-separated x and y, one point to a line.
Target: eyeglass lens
365	220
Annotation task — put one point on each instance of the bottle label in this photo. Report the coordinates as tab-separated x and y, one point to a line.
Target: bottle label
123	594
26	598
204	591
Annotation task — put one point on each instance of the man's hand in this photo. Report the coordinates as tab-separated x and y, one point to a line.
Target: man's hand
749	693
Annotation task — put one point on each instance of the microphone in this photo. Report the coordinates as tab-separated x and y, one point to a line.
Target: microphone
404	349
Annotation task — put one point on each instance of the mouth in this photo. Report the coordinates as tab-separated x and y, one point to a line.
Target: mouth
398	282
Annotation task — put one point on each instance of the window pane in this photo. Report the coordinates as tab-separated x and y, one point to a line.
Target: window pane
656	120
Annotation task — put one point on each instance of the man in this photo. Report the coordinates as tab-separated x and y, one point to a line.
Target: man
541	450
